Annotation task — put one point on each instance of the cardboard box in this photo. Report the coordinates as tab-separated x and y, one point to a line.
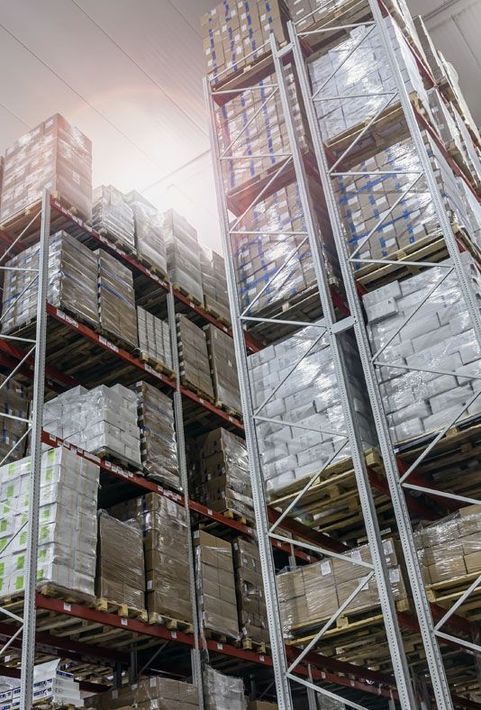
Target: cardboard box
251	604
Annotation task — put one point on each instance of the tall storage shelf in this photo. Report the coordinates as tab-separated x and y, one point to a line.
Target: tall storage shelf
347	222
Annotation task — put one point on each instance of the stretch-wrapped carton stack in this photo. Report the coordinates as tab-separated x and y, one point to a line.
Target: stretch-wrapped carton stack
223	368
223	691
14	406
451	547
154	693
158	443
439	336
120	562
220	473
100	420
183	254
216	584
194	357
116	297
165	533
112	215
251	603
54	156
52	687
214	284
72	282
314	592
149	239
68	523
302	369
154	339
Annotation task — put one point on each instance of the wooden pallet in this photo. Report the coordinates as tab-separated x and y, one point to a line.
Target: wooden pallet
121	608
115	458
120	243
49	589
212	311
170	622
193	388
227	409
161	273
185	292
158	366
449	590
249	644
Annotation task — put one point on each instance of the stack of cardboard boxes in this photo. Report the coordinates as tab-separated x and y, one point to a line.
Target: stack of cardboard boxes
112	215
149	238
194	358
183	255
54	156
216	585
223	691
154	339
251	604
120	562
116	298
214	284
149	693
223	369
52	687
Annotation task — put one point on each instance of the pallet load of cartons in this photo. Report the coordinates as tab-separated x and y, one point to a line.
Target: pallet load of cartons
223	369
120	563
214	284
67	537
216	586
183	255
220	473
450	549
148	693
223	691
154	340
251	603
116	299
300	372
102	420
54	156
439	336
113	216
52	687
158	442
165	533
149	239
194	357
14	407
72	283
312	594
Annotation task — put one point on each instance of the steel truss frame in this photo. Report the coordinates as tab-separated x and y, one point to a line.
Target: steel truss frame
398	480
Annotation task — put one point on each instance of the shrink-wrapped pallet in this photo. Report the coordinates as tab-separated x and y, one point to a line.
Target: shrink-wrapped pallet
113	216
158	442
223	369
14	406
116	299
251	603
153	693
166	534
102	420
220	473
154	339
72	282
52	687
194	357
149	238
216	585
67	536
55	156
183	255
437	340
120	562
214	284
223	692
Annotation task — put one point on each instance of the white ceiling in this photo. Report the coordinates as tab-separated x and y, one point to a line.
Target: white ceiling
129	74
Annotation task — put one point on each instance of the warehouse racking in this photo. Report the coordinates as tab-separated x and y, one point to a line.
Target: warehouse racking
399	467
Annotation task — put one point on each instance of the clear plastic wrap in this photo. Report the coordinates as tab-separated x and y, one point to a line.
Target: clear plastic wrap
116	299
251	602
451	547
216	584
54	156
220	473
52	687
307	397
313	593
183	254
438	337
13	403
223	692
158	442
72	282
149	238
194	357
101	420
165	531
223	368
154	338
68	523
120	562
111	214
214	284
154	693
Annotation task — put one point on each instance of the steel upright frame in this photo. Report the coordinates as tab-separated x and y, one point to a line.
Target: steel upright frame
334	330
397	480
